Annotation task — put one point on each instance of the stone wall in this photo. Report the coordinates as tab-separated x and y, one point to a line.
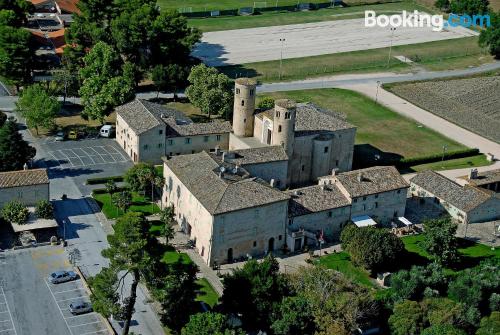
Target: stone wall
28	195
195	144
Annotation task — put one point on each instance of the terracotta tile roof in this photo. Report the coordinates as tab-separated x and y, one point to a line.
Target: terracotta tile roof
250	156
234	191
68	6
23	178
371	180
487	177
464	198
316	198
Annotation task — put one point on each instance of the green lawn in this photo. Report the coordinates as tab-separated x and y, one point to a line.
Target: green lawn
470	253
431	53
172	256
459	163
206	293
139	204
379	130
341	262
267	19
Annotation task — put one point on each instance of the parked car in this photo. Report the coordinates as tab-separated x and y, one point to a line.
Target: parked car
73	135
60	136
107	131
62	277
80	307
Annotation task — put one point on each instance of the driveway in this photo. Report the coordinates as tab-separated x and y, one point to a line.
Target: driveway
29	304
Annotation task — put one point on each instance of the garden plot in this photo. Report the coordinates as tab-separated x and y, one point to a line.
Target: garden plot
472	103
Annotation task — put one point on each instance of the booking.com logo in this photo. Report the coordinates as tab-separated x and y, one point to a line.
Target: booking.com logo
420	20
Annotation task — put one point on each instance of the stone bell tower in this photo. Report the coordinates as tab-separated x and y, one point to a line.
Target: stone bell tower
284	124
244	106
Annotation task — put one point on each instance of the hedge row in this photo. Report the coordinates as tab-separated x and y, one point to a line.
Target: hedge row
104	191
406	162
104	180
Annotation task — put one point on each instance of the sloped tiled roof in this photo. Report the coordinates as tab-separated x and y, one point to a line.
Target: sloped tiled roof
464	198
23	178
486	177
371	180
316	198
199	173
259	155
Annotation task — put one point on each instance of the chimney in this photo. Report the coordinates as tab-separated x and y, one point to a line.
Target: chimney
217	150
334	172
473	174
272	182
25	167
223	156
360	177
322	187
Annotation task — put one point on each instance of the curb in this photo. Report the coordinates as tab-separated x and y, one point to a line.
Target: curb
89	292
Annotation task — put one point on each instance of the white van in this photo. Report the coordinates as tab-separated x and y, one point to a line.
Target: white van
107	131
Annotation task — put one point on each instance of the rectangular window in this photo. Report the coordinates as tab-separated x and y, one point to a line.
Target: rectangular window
160	145
251	92
237	91
161	131
376	204
376	196
145	147
254	244
170	142
279	129
364	198
326	150
205	138
187	140
355	200
280	237
218	137
329	214
303	167
337	163
399	191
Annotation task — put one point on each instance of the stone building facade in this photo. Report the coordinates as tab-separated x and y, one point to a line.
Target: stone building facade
315	140
465	204
149	131
27	186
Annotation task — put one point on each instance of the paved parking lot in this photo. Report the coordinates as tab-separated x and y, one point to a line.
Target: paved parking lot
87	156
29	304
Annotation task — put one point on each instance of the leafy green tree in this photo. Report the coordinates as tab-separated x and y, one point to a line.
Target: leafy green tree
106	83
44	210
411	284
19	10
253	291
127	254
490	36
122	200
440	241
444	329
38	107
294	316
14	150
495	302
266	103
407	318
141	177
65	81
444	311
167	218
171	76
209	323
442	5
490	325
373	248
210	91
15	55
470	7
177	294
338	305
15	212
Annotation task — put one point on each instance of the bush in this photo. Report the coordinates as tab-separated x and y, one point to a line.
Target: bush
15	212
44	210
406	162
104	180
266	103
105	191
372	248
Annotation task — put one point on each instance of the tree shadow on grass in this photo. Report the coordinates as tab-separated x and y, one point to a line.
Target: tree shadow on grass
366	155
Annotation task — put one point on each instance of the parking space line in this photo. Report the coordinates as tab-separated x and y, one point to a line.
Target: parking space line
117	152
69	160
8	310
100	155
107	152
60	311
76	289
85	324
77	316
75	298
76	156
56	159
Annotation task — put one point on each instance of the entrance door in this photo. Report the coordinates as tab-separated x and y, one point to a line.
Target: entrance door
230	255
269	134
271	245
298	244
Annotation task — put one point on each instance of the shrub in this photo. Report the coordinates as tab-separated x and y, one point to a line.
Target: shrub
44	210
406	162
15	212
372	248
266	103
104	180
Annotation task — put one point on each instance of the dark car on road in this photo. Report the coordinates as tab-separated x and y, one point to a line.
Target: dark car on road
62	277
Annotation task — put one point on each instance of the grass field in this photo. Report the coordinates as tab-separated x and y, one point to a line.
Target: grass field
376	125
172	256
206	293
439	55
459	163
341	262
268	19
139	204
203	5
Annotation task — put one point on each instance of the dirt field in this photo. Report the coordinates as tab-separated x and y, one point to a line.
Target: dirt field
473	103
302	40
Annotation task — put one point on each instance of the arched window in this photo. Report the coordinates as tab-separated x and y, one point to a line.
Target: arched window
243	102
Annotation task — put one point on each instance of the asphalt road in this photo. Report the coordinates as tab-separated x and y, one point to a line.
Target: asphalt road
29	304
242	46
